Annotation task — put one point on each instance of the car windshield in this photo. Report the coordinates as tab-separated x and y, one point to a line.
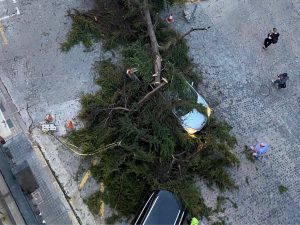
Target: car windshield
188	94
190	97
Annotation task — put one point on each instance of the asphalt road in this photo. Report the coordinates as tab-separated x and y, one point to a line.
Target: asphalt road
37	78
33	68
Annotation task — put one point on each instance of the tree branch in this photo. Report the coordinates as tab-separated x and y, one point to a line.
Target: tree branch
153	41
118	108
147	96
190	31
176	41
198	150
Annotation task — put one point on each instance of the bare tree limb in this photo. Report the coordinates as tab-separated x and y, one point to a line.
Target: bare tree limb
190	31
180	154
31	126
98	111
147	96
176	41
198	150
156	22
171	165
157	67
118	108
124	91
109	114
153	41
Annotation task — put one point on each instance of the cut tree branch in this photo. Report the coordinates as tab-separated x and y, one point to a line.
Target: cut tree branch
118	108
153	41
176	41
147	96
191	30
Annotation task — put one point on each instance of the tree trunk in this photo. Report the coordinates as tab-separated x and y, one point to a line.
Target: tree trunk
154	44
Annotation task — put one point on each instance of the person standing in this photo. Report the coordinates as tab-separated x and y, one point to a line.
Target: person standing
2	140
259	149
271	39
194	221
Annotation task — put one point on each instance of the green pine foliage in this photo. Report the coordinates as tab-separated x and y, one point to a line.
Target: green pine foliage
155	151
103	22
137	55
83	31
158	5
150	137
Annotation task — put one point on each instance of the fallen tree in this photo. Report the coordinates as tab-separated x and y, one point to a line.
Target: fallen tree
155	151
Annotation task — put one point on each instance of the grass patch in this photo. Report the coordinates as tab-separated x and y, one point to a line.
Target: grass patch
221	200
220	222
248	154
113	219
93	203
282	189
247	180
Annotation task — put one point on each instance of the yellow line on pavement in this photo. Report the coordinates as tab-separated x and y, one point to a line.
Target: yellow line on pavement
102	206
2	34
84	179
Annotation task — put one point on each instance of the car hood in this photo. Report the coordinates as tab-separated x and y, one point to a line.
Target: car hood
193	119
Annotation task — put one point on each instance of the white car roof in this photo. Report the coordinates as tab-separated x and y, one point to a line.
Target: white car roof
195	119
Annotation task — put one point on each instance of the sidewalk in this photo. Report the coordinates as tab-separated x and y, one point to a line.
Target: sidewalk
48	198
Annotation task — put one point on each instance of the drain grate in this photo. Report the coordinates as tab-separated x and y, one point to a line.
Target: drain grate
2	107
9	123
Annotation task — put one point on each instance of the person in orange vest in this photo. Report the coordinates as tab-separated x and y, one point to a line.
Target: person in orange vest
194	221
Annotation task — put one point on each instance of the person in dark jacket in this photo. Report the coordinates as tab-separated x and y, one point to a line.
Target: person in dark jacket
281	80
272	38
2	141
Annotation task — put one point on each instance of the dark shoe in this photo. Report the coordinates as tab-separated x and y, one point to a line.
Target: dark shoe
264	47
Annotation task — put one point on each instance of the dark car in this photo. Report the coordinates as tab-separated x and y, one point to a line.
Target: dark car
162	207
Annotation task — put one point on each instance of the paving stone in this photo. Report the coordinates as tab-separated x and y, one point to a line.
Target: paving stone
237	74
46	198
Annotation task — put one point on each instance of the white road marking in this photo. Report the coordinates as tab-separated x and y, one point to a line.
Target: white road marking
14	1
286	126
2	34
7	17
4	18
4	129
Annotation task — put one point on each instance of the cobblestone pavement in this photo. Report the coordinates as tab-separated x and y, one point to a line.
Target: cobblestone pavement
237	74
